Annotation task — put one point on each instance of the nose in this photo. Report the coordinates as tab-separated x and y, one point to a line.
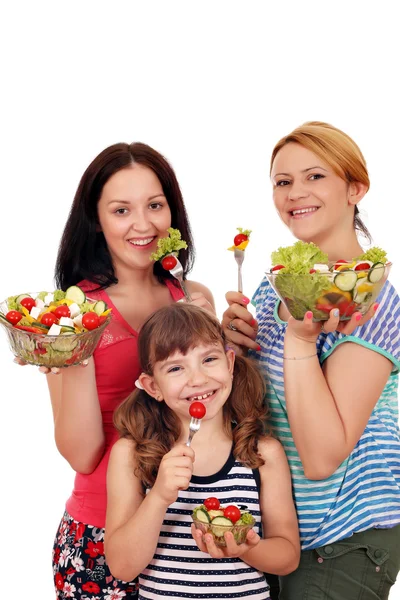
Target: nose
141	221
197	377
297	191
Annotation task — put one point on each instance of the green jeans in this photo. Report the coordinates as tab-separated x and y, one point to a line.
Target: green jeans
361	567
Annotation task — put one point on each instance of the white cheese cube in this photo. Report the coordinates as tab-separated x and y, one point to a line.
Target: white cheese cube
48	298
39	303
35	312
74	310
66	321
54	330
78	320
321	267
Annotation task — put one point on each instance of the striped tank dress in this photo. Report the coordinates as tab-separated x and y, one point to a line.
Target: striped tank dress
364	492
179	570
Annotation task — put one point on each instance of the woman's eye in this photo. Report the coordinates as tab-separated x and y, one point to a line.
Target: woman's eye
316	176
282	183
121	211
155	205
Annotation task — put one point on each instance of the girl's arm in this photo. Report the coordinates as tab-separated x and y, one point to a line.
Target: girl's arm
279	551
78	426
328	408
134	520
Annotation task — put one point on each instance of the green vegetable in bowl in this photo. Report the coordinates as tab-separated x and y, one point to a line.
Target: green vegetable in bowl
299	258
375	255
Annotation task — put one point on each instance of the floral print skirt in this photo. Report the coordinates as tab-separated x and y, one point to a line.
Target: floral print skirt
79	566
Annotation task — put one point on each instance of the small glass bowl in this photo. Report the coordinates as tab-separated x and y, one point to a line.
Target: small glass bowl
218	531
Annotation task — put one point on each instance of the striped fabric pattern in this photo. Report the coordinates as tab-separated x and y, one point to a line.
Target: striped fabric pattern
179	570
364	492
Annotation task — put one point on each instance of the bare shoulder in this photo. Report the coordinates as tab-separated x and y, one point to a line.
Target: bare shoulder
123	451
271	451
195	286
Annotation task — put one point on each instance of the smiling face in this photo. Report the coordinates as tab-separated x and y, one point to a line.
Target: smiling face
203	374
133	214
311	199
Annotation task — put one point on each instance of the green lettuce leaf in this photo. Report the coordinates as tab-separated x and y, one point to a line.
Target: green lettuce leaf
301	291
298	258
375	255
168	245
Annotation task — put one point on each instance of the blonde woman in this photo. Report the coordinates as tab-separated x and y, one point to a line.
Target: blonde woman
336	409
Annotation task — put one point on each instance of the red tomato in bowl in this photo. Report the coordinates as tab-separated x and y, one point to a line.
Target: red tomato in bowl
14	317
62	311
48	319
90	320
28	303
232	513
211	503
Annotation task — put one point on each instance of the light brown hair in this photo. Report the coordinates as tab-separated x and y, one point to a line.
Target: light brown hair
153	426
336	149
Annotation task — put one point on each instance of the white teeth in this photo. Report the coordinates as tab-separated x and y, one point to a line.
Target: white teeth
304	210
203	397
141	242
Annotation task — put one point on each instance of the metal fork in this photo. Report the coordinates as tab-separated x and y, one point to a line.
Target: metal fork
177	272
239	257
194	426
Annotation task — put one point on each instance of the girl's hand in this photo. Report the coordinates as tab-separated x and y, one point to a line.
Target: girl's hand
232	549
46	370
199	299
308	331
174	473
238	323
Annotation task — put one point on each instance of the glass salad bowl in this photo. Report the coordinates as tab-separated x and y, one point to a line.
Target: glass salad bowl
218	529
348	287
63	350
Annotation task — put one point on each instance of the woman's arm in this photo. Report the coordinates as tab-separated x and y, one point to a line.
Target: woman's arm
237	314
201	295
134	520
78	426
328	408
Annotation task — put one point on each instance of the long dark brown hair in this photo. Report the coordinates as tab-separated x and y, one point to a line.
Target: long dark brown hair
153	426
83	252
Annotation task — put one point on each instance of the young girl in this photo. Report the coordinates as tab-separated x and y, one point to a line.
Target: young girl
335	410
154	480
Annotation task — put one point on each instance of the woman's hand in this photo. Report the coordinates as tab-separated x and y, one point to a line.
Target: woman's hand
239	325
47	370
232	549
174	473
199	299
308	331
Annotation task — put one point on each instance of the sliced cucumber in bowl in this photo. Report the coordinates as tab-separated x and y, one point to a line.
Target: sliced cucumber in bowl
376	272
75	294
346	280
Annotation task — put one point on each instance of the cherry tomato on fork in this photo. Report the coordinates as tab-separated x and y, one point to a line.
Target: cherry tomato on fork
169	262
62	311
28	303
14	317
240	238
197	410
211	503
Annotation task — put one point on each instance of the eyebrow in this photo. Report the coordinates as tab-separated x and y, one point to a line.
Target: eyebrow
128	201
304	170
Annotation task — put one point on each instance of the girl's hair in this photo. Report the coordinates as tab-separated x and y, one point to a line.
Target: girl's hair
83	251
153	426
336	149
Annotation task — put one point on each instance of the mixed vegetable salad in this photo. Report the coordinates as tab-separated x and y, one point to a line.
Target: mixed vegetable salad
58	319
305	280
241	239
168	249
216	519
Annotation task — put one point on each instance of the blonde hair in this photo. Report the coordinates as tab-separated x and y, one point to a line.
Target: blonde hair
336	149
153	426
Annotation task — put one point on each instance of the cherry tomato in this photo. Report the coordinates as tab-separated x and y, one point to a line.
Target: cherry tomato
239	238
90	320
232	513
169	262
360	267
14	317
211	503
62	311
340	262
48	319
28	303
197	410
313	271
277	268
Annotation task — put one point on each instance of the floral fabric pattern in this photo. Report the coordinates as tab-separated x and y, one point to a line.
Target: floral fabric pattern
79	566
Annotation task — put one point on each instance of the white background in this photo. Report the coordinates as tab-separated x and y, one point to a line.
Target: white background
212	85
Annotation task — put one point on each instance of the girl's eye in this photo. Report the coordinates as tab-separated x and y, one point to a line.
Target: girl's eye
173	369
316	176
121	211
282	183
210	359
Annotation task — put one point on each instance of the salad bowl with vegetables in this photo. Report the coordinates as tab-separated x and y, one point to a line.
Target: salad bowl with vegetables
305	280
217	520
54	329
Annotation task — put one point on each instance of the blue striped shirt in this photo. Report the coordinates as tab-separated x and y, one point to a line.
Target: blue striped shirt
364	492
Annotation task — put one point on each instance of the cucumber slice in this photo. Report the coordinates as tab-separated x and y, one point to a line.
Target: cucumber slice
361	290
64	344
201	515
215	513
75	294
67	330
220	525
346	280
100	307
21	297
376	272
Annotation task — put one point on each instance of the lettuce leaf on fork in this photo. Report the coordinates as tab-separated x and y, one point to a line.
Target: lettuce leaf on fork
168	245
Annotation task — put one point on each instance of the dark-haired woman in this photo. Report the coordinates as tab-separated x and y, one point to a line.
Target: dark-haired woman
127	199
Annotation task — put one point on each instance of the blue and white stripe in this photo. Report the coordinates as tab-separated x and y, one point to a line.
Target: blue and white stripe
364	492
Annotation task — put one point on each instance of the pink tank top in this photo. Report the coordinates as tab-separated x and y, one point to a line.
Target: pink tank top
117	368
